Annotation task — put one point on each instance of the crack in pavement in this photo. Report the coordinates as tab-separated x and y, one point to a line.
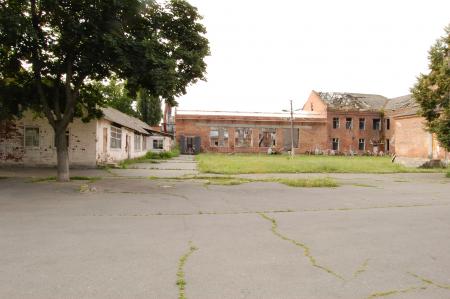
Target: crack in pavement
181	281
306	249
361	269
396	292
430	282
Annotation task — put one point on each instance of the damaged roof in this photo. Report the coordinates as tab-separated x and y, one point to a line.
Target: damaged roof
402	102
126	120
353	101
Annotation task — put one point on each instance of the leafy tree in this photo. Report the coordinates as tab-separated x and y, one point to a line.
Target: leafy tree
432	91
51	52
117	96
149	108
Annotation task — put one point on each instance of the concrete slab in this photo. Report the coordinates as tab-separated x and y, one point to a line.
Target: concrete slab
124	239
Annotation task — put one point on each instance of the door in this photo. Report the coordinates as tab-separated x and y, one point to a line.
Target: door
190	146
127	146
105	140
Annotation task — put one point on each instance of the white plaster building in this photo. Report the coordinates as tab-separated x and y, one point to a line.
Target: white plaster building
29	141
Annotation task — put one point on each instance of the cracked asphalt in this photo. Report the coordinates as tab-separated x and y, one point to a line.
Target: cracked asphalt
376	236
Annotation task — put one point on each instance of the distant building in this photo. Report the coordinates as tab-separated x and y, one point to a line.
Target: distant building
329	123
29	141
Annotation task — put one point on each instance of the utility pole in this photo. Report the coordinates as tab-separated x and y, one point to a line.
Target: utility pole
292	128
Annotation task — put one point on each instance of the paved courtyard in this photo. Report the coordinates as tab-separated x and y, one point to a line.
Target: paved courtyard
375	236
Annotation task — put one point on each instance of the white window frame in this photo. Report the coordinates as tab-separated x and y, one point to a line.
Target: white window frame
116	131
137	138
338	123
25	137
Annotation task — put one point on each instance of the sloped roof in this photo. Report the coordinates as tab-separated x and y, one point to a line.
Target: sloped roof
126	120
353	101
284	115
406	101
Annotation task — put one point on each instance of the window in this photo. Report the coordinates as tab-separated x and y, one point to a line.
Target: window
267	137
388	145
335	122
116	137
388	124
376	124
362	144
362	123
218	137
67	139
158	144
349	123
137	142
243	137
335	144
31	137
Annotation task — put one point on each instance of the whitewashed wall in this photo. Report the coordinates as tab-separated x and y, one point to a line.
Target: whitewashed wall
82	139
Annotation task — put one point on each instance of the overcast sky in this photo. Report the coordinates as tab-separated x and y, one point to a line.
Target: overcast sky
264	53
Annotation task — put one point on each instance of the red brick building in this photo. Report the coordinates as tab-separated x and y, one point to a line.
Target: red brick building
330	122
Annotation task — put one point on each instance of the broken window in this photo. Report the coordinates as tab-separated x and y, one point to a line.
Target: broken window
137	143
388	124
335	144
158	144
243	137
218	137
116	137
362	123
335	122
267	137
32	137
376	124
349	123
362	144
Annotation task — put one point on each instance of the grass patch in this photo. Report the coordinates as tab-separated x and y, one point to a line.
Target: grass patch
261	163
151	157
308	183
231	181
181	281
447	174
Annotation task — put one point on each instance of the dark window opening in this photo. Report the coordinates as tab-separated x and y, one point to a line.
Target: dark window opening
388	124
376	124
362	144
335	122
349	123
362	123
335	144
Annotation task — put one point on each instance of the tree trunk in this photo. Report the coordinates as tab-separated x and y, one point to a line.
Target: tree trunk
62	156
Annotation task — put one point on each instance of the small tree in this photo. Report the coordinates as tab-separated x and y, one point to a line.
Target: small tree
116	95
51	51
149	108
432	91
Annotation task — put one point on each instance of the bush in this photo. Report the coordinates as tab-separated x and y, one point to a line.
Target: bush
162	155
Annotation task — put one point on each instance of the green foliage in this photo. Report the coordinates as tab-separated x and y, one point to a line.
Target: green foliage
251	163
149	108
115	95
447	174
52	53
432	90
150	157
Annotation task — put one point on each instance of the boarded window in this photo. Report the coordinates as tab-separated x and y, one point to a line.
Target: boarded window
144	143
218	137
32	137
137	143
376	124
116	137
243	137
362	144
158	144
335	122
362	123
267	137
335	144
349	123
